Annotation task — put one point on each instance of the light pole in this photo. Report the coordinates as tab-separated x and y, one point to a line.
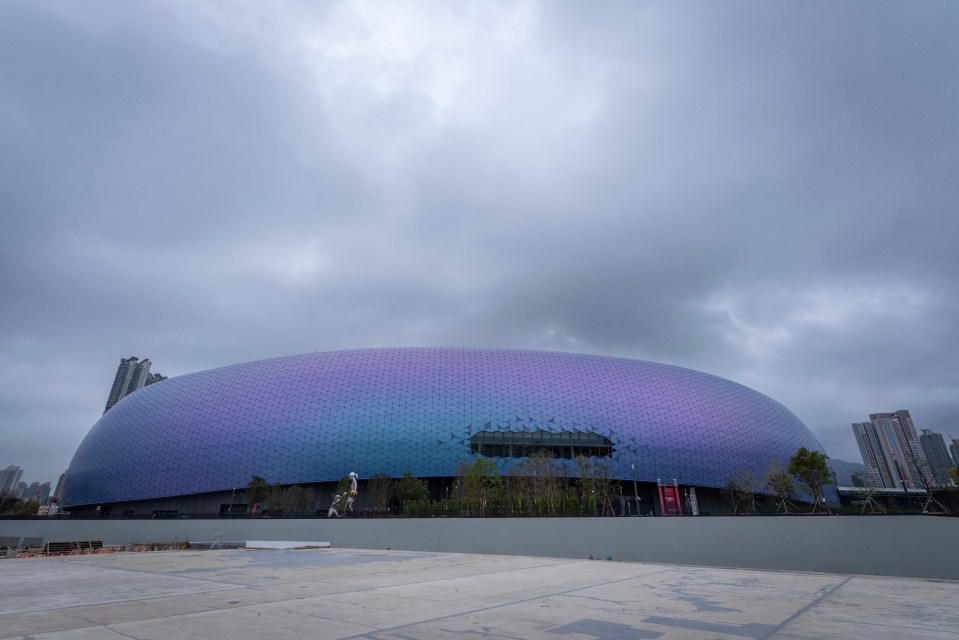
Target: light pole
635	490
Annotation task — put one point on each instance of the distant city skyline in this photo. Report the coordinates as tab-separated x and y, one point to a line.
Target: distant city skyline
896	457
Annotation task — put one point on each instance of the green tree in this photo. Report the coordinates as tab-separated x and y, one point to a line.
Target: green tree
954	474
343	486
813	472
8	502
482	484
741	492
379	489
462	468
779	484
409	488
258	490
274	498
537	484
297	499
27	508
595	487
606	489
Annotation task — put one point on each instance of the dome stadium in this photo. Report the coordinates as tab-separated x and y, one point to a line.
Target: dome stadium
191	442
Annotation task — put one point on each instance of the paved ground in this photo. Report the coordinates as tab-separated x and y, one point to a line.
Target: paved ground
342	593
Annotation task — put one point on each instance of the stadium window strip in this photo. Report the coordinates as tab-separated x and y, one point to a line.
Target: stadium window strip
565	444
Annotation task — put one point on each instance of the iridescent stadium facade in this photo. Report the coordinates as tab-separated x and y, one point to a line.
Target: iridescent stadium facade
193	442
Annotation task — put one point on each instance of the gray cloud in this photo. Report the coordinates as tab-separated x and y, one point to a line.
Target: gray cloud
761	192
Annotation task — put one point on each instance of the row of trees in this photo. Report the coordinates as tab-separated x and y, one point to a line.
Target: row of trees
10	505
275	500
807	472
539	485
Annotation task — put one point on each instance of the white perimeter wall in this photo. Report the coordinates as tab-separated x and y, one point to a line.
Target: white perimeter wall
880	545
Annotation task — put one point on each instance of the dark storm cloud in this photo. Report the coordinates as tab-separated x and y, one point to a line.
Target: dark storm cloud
761	192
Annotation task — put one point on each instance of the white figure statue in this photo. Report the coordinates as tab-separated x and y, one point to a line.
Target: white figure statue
333	513
352	494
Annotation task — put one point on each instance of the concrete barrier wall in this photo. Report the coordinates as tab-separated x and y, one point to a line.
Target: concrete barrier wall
916	546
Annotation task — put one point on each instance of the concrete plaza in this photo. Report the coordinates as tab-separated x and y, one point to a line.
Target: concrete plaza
345	593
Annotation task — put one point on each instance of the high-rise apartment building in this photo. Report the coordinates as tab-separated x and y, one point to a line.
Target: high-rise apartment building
935	447
58	492
38	492
892	452
872	454
954	450
10	480
132	374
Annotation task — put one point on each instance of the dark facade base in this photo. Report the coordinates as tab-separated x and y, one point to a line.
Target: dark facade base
236	503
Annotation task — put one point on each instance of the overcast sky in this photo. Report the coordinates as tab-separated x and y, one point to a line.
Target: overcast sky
763	191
